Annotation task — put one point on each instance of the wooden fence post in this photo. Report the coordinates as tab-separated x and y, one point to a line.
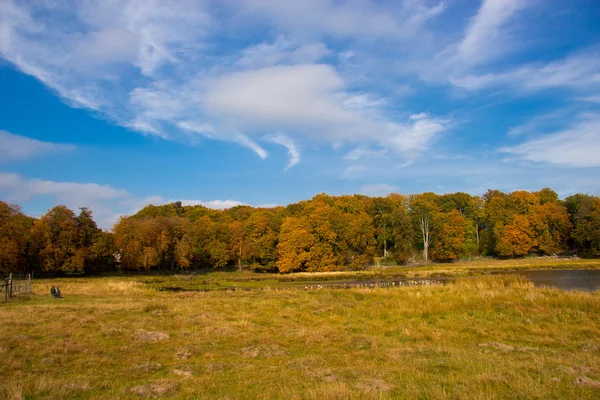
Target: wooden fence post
9	288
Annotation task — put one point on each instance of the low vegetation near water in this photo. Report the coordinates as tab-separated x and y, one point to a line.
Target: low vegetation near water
207	280
477	337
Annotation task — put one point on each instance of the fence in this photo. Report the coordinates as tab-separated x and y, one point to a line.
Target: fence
15	284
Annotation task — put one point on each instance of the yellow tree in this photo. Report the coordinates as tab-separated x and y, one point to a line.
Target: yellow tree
295	243
261	232
56	237
516	238
14	238
551	224
450	229
359	237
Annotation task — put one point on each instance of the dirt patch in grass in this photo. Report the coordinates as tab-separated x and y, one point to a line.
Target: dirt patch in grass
148	367
146	336
78	387
528	349
326	375
374	385
184	353
264	351
216	367
156	389
498	346
585	381
184	372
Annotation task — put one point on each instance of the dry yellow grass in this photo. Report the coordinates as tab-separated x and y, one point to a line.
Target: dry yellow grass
480	338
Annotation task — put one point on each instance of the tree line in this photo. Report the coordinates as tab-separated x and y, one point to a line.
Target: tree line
326	233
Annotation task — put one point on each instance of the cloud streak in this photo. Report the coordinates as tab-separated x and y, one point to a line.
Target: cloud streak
153	68
575	146
106	202
18	148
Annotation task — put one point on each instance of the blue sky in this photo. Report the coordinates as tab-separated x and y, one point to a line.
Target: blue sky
121	103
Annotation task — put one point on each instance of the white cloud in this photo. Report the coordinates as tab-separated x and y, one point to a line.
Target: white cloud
591	99
106	202
151	67
576	146
281	96
361	19
382	189
14	147
484	38
362	153
291	146
101	199
411	139
545	122
282	51
310	101
579	72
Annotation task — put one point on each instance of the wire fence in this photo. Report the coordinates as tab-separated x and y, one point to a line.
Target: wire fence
14	285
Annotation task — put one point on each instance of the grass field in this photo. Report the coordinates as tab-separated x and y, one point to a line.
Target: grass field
479	337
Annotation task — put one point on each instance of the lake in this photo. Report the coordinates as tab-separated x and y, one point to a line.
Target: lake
588	280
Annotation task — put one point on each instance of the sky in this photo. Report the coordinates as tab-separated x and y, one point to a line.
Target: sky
117	104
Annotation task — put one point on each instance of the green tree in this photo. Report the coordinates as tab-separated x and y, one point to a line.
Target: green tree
584	212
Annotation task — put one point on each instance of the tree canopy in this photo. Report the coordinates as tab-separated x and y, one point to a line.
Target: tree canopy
325	233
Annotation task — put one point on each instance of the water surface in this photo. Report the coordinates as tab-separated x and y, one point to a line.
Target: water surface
569	279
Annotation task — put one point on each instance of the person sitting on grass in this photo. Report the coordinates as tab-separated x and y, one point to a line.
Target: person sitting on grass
58	293
55	294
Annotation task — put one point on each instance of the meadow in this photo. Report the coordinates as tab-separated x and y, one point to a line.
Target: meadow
478	337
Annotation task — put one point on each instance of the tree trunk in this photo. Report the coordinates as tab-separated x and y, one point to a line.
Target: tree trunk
425	232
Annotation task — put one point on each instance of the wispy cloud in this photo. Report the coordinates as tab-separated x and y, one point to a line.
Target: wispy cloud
14	147
328	73
107	202
291	146
381	189
100	198
349	19
155	68
576	146
484	38
579	72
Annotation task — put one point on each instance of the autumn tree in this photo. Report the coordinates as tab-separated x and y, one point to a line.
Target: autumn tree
495	216
584	211
450	229
423	208
516	238
261	233
295	243
14	238
394	231
56	237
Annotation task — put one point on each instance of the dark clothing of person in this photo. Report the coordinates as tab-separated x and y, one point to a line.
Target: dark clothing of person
55	293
